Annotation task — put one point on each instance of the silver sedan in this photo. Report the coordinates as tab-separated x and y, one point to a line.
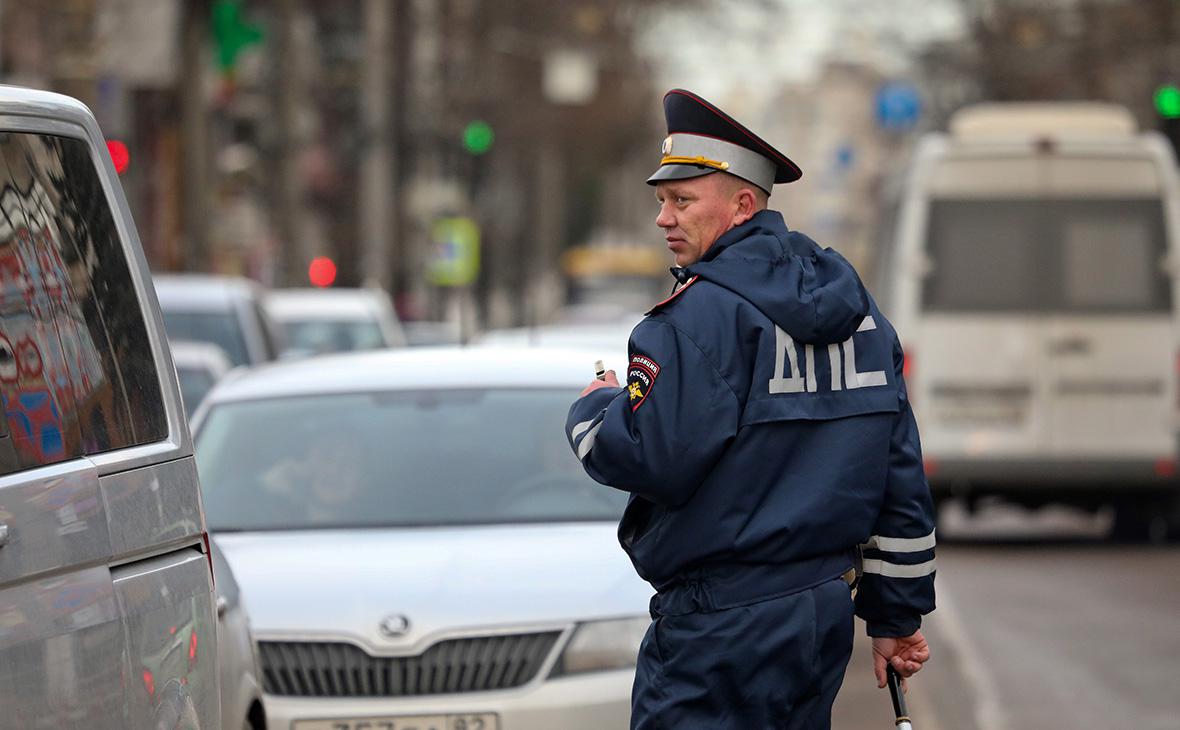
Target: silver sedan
416	544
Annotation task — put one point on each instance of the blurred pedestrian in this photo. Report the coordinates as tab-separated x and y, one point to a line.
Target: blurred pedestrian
766	439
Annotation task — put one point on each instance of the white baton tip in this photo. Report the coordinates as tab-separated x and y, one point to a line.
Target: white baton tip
599	369
905	725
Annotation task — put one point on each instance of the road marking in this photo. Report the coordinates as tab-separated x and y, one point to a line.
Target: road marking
989	713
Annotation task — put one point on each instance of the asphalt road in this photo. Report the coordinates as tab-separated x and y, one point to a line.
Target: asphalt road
1041	624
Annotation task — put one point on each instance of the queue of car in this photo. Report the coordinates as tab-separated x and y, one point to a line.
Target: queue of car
402	537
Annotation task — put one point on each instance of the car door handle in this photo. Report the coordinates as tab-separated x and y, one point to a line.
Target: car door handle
222	606
3	535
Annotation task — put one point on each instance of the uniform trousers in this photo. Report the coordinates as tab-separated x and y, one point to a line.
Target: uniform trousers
772	665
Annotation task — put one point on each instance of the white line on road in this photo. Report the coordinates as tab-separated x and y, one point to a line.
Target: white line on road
989	713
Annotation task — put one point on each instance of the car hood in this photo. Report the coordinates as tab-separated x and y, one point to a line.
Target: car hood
342	584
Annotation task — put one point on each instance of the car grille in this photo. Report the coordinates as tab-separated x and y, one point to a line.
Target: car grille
475	664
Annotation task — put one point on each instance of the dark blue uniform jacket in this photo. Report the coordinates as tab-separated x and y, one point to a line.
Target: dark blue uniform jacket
765	435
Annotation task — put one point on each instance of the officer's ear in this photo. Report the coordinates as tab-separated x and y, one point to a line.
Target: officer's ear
747	205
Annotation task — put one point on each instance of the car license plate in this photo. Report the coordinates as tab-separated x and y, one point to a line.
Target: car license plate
486	721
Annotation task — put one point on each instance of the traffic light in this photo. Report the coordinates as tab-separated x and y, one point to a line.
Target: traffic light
478	137
321	272
120	155
1167	107
1167	101
231	34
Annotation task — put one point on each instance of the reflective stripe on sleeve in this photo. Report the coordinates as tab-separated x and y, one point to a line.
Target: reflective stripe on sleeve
588	442
580	428
893	570
900	544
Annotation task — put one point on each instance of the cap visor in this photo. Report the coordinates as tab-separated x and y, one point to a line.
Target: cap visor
679	172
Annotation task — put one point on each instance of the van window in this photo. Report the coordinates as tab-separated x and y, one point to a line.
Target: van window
78	374
1054	255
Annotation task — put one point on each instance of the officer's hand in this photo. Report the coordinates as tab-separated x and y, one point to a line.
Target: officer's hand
907	655
608	381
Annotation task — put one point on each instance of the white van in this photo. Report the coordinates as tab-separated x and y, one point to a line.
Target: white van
107	612
1032	281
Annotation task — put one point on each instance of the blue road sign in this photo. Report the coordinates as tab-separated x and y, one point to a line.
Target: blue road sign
898	106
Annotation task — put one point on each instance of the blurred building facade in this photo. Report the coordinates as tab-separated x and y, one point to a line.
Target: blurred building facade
266	132
829	125
254	126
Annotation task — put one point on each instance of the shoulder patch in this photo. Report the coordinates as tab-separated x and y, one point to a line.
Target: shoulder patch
642	372
674	295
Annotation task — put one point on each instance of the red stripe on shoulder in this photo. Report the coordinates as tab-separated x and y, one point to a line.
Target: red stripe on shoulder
674	294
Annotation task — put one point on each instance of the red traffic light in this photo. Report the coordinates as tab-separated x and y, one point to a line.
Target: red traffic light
322	271
120	155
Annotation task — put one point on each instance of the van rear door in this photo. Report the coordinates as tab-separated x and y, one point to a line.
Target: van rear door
1110	336
1046	313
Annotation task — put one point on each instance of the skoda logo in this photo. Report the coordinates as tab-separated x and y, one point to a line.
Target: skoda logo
395	626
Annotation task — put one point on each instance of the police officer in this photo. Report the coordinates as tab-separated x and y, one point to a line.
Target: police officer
767	441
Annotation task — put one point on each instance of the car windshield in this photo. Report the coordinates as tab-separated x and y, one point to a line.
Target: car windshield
220	328
399	458
318	335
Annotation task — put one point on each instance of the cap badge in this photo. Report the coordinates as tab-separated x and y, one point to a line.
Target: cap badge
667	148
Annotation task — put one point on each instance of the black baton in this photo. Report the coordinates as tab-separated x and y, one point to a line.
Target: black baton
902	717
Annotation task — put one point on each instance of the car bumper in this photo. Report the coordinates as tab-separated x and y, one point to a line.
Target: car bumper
966	477
599	701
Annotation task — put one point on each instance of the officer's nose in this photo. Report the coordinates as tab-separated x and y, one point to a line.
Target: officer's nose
665	219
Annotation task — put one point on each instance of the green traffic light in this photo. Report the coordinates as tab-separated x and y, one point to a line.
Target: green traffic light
478	137
231	33
1167	101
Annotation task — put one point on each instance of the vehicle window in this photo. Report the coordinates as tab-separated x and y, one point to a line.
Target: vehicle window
194	384
1070	256
220	328
333	336
1112	257
984	255
78	374
398	458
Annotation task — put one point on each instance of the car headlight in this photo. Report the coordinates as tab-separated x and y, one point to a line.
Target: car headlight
598	646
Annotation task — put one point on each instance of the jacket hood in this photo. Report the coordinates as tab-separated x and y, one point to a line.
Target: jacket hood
813	294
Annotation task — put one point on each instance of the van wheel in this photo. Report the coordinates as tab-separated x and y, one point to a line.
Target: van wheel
1146	520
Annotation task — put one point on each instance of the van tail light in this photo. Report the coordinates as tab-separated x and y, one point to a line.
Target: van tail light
1165	468
930	466
149	682
209	557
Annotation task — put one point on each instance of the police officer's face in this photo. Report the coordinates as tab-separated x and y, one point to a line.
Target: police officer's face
694	213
